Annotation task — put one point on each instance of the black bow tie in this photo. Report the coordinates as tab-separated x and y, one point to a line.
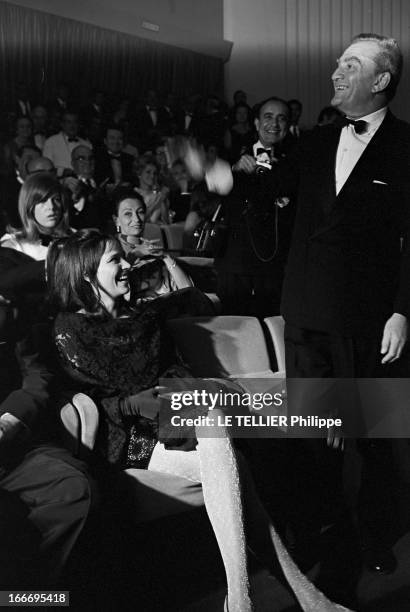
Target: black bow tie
261	150
46	239
73	139
360	126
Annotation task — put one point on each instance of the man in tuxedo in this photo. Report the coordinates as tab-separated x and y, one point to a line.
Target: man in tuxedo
59	147
113	166
259	216
39	117
295	108
87	201
346	295
149	121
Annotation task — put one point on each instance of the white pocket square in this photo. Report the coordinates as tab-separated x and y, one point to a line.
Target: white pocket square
379	182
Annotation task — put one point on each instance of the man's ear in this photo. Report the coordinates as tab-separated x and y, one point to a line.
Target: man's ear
381	82
256	122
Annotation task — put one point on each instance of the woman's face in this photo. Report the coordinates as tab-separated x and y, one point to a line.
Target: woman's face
112	274
131	217
148	176
49	213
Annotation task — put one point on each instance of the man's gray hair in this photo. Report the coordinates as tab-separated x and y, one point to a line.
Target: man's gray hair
389	59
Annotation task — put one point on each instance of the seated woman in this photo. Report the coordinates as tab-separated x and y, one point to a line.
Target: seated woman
114	353
155	272
43	212
154	195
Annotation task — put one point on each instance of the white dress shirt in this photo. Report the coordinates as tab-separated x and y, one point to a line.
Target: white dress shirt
58	148
351	146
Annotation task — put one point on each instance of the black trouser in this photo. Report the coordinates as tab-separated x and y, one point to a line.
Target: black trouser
255	295
311	354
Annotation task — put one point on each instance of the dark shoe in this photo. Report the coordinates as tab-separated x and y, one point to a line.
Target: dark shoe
379	560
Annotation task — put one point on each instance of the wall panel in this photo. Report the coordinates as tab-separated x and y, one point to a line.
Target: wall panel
289	47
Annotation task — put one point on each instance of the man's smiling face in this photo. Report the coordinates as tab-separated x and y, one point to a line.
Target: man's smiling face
354	79
272	124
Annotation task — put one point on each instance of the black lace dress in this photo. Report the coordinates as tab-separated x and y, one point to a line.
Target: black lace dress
111	360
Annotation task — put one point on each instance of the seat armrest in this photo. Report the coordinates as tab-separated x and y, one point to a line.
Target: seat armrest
276	329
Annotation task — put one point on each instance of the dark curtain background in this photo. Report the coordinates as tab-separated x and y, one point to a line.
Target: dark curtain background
43	50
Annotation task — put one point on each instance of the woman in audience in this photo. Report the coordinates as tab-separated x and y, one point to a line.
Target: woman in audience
156	272
240	136
43	212
115	353
154	195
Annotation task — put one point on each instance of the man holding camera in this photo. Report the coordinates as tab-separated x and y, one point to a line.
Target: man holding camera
259	216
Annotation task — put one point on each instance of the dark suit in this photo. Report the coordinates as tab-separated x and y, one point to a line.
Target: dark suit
45	493
348	271
251	262
104	169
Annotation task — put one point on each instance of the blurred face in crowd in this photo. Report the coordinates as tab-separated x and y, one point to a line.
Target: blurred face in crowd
272	124
239	97
161	156
82	159
148	176
112	275
24	128
131	217
357	79
69	125
114	141
48	214
241	115
21	162
39	118
295	112
41	164
179	173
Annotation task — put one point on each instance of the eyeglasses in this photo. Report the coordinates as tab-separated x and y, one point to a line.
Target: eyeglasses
83	158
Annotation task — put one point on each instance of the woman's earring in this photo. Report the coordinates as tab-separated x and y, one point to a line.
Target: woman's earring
118	228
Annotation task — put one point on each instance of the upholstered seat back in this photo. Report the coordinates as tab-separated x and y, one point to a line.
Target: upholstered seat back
223	346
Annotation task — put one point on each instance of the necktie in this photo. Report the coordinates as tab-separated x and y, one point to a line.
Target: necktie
359	126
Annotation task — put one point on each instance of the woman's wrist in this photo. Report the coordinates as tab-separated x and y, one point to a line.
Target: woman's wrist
169	261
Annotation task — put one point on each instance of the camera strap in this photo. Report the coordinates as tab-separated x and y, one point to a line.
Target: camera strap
258	255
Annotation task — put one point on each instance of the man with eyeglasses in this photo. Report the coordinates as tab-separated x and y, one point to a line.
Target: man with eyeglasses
59	147
87	209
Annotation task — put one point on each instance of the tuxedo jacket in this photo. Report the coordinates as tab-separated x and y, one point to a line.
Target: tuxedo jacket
103	166
258	231
349	263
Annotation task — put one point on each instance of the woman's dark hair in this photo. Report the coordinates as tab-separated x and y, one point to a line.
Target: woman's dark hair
72	266
124	193
39	188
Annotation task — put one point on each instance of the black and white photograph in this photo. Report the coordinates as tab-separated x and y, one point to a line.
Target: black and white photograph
204	305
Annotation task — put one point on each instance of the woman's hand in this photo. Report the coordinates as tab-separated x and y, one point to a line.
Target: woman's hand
150	248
